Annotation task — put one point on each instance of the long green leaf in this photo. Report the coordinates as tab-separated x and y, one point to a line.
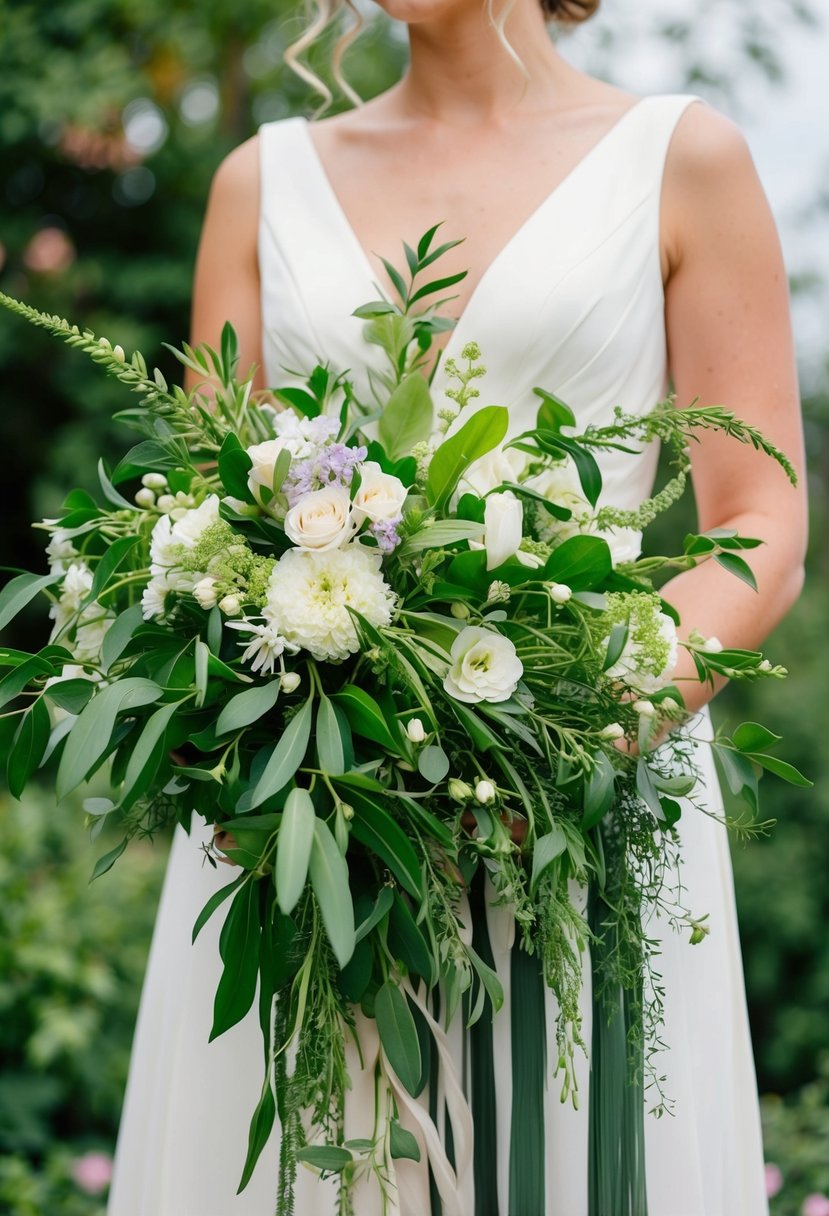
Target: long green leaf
329	879
367	718
398	1034
330	744
376	829
20	591
119	634
247	707
240	955
478	435
142	754
26	752
293	850
89	737
547	849
215	901
261	1126
407	416
286	756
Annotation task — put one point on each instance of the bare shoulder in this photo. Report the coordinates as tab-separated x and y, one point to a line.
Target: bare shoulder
706	145
237	178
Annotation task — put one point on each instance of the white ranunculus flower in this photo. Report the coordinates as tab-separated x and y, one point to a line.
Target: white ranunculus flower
310	593
485	666
169	533
380	496
321	520
504	525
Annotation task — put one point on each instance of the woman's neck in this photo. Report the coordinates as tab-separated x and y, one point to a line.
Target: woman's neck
461	73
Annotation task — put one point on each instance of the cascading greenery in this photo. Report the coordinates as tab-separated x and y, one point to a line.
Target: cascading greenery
448	688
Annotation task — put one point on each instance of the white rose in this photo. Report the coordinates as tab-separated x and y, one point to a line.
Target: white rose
321	520
485	666
504	524
264	457
380	496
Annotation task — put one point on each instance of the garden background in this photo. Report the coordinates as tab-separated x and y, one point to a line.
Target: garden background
113	116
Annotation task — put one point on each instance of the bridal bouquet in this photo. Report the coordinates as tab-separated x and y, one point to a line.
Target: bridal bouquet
384	647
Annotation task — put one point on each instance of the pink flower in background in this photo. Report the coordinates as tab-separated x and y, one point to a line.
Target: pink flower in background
92	1172
815	1205
50	251
774	1180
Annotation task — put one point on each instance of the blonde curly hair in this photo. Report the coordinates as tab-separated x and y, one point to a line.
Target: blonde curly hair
565	12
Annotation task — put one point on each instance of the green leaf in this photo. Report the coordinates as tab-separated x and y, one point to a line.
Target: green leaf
397	279
545	851
425	241
247	707
588	470
376	829
142	757
293	850
19	677
215	901
440	532
615	645
330	744
286	757
432	763
407	416
752	737
261	1126
398	1034
90	735
325	1157
553	414
737	566
582	562
436	285
149	455
329	879
239	946
787	772
112	561
299	400
234	466
478	435
27	749
105	863
367	718
402	1143
407	943
20	591
119	634
599	791
109	491
646	788
71	695
382	904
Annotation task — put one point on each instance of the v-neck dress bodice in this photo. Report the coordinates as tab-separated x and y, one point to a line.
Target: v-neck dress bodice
573	303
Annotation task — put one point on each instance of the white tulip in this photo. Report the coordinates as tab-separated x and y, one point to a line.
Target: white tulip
380	495
205	593
485	666
492	470
485	792
415	730
503	523
321	520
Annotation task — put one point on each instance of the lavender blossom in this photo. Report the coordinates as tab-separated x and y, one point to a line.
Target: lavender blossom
333	464
385	533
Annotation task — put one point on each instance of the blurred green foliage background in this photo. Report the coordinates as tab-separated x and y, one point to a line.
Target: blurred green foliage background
113	116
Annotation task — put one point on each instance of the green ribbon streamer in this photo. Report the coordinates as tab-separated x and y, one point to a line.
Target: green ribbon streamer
529	1067
482	1066
616	1160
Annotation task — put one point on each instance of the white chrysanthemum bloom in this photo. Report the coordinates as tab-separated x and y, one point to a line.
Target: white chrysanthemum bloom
90	634
264	647
76	585
648	658
485	666
154	597
60	550
310	593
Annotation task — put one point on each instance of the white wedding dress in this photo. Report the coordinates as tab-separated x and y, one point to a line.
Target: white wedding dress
574	303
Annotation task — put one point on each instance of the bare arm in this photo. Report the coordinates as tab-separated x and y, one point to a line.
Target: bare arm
226	284
730	343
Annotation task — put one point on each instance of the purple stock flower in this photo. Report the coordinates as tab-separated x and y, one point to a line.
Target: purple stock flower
385	533
332	464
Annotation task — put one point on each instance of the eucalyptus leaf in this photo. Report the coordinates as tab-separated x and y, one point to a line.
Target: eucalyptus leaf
398	1034
247	707
330	745
240	955
329	879
286	757
90	735
20	591
293	850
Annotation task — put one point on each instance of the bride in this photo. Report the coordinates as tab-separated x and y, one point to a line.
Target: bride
614	245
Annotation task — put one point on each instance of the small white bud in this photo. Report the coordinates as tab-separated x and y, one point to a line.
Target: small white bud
347	811
230	605
290	681
765	665
105	343
669	705
166	503
415	730
154	481
712	646
560	593
145	498
459	610
613	730
205	592
485	792
118	351
646	708
459	790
